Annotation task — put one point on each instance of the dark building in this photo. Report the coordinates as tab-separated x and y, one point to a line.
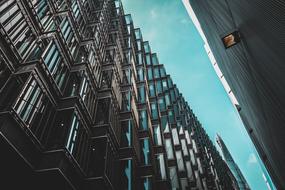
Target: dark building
85	104
247	40
241	181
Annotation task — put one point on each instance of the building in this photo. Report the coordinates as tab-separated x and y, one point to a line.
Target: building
85	104
241	181
246	39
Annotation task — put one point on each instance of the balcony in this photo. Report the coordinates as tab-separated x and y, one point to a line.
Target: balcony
107	120
103	167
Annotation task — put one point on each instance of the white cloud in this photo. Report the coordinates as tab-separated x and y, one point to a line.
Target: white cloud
153	13
184	21
252	159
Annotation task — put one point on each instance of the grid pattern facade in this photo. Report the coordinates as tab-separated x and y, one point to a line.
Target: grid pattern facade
85	104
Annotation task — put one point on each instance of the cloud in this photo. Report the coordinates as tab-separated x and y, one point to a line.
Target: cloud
252	159
153	13
184	21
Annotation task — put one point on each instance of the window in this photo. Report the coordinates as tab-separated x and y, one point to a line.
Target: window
162	72
16	27
29	101
184	147
148	61
143	120
126	135
146	47
158	87
167	99
164	85
73	133
147	183
139	59
184	183
141	94
157	135
69	36
161	166
126	101
189	169
175	136
173	178
55	64
231	39
149	73
161	104
156	73
168	148
145	148
140	73
171	116
154	112
151	89
126	173
179	159
154	59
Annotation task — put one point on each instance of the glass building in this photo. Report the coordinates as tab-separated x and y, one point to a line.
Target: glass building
85	104
241	181
245	43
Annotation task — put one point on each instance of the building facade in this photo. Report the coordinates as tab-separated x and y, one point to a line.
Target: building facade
241	181
85	104
246	38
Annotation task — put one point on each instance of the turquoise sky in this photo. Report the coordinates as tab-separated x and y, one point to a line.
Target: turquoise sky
171	33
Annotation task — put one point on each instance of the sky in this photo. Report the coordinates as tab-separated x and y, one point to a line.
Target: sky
173	36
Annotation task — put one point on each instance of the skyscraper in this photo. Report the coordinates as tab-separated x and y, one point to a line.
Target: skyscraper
85	104
241	181
246	39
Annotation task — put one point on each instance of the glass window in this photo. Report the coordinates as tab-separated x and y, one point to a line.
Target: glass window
156	73
175	136
171	116
147	183
29	102
169	149
167	100
189	169
145	148
141	94
157	135
154	59
162	72
139	45
154	112
164	85
148	61
184	183
161	166
164	123
140	73
173	178
179	159
151	89
72	133
126	135
126	175
143	120
139	59
149	73
158	87
184	147
161	104
146	47
55	64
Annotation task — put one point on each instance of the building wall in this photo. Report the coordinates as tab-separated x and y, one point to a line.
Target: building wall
85	104
253	68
